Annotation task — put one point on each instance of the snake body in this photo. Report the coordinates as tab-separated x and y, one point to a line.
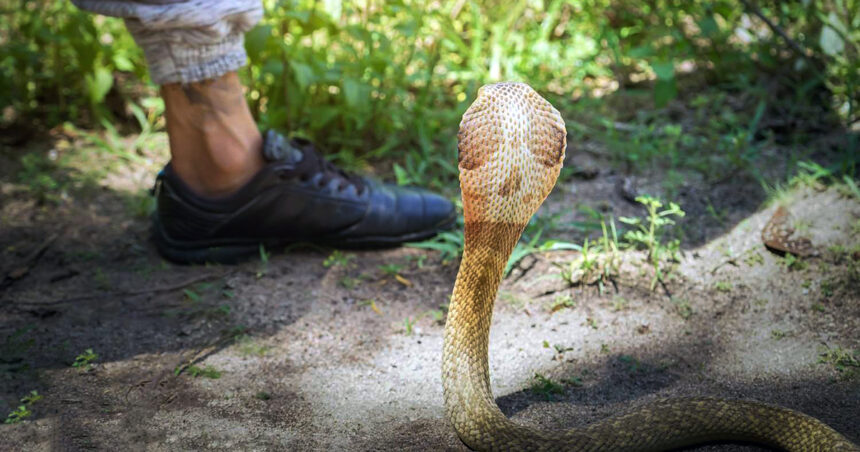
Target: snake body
511	146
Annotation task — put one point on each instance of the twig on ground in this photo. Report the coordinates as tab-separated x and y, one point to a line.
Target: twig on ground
133	293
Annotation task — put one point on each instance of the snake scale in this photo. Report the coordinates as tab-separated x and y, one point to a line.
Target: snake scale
511	147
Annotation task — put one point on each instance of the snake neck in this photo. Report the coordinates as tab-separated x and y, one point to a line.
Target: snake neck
469	401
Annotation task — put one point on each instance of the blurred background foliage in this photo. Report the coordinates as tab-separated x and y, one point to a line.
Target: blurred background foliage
376	79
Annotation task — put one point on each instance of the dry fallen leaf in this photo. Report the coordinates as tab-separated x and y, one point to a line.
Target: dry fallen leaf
403	280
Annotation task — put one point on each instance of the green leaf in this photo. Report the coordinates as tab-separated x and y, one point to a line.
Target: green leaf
708	26
664	91
122	63
401	175
352	92
273	67
98	84
255	41
665	70
830	40
303	73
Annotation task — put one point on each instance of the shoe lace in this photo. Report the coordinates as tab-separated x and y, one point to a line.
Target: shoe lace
331	172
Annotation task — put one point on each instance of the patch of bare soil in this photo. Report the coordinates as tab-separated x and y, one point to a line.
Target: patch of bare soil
315	353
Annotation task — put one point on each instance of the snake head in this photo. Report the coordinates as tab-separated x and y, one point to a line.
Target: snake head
511	146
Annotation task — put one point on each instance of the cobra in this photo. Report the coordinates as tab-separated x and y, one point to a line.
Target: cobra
511	147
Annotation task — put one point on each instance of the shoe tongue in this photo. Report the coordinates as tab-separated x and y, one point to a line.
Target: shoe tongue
277	148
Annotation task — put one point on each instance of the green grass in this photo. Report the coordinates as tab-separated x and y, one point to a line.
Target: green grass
682	307
338	259
408	326
793	263
247	346
206	372
544	387
723	286
85	360
648	234
844	361
23	411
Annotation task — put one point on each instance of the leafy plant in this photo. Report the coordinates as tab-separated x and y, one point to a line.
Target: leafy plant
391	269
845	361
561	302
723	286
682	307
449	244
545	387
85	359
338	259
207	372
408	325
23	411
648	234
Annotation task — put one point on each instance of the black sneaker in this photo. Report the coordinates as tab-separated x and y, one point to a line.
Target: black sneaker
297	197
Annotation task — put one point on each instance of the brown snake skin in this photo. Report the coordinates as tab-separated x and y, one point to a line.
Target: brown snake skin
511	148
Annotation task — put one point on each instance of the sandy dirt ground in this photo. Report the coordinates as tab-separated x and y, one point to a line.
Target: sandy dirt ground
316	353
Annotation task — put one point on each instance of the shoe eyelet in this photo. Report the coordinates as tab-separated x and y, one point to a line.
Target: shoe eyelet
304	177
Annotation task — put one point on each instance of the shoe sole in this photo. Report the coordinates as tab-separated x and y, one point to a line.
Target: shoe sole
236	251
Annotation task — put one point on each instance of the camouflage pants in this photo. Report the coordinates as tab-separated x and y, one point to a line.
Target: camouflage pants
185	40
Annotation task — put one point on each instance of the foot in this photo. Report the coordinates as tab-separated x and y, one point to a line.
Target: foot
214	141
296	197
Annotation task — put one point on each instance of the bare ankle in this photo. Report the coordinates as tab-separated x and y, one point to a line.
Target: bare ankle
215	144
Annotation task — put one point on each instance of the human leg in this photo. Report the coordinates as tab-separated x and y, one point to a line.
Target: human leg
226	189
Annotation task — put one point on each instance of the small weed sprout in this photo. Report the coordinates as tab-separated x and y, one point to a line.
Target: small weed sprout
598	262
560	302
23	411
207	372
827	288
264	262
619	304
845	361
438	315
723	286
792	262
647	234
247	347
754	259
682	307
408	326
338	259
391	269
545	387
574	381
351	282
85	359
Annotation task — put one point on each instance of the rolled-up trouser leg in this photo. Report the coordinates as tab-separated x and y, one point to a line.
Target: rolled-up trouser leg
185	40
